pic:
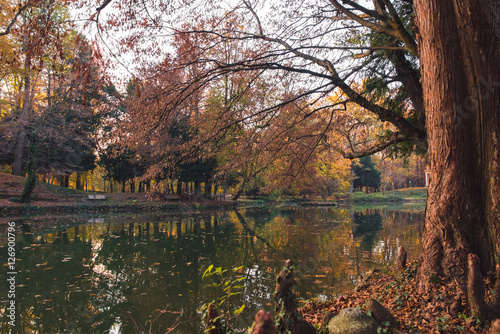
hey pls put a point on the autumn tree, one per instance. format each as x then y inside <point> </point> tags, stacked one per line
<point>403,172</point>
<point>51,122</point>
<point>328,45</point>
<point>33,35</point>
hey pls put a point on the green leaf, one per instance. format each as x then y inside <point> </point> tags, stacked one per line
<point>208,271</point>
<point>238,311</point>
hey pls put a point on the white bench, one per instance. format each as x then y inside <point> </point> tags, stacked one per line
<point>97,197</point>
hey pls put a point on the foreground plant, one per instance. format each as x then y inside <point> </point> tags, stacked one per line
<point>229,284</point>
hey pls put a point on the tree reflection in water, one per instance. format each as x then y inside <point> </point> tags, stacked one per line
<point>125,271</point>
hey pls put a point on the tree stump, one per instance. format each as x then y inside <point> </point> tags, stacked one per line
<point>286,312</point>
<point>263,324</point>
<point>212,320</point>
<point>400,260</point>
<point>283,295</point>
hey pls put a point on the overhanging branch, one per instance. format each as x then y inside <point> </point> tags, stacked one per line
<point>388,141</point>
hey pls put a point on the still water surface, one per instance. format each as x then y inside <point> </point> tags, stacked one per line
<point>140,272</point>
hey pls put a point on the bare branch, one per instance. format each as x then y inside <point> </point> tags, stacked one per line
<point>101,7</point>
<point>392,27</point>
<point>393,139</point>
<point>14,19</point>
<point>254,15</point>
<point>385,115</point>
<point>365,10</point>
<point>374,26</point>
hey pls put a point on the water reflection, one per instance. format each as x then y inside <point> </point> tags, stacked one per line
<point>95,275</point>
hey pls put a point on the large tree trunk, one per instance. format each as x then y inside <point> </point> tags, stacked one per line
<point>459,53</point>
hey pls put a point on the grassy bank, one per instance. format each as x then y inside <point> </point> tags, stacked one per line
<point>401,195</point>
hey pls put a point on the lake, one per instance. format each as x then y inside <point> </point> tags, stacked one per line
<point>143,272</point>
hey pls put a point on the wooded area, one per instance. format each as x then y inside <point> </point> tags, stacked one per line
<point>313,98</point>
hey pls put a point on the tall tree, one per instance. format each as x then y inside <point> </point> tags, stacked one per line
<point>459,51</point>
<point>39,21</point>
<point>366,174</point>
<point>51,122</point>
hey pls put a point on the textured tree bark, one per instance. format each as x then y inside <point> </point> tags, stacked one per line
<point>496,291</point>
<point>459,53</point>
<point>475,288</point>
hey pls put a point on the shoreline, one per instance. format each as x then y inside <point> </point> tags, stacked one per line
<point>78,208</point>
<point>113,205</point>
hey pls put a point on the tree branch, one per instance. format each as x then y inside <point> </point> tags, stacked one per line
<point>374,26</point>
<point>391,140</point>
<point>365,10</point>
<point>402,32</point>
<point>392,27</point>
<point>385,115</point>
<point>261,32</point>
<point>14,19</point>
<point>101,7</point>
